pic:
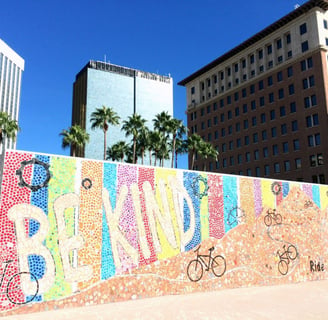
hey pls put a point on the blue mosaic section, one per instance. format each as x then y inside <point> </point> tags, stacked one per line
<point>107,260</point>
<point>191,183</point>
<point>230,201</point>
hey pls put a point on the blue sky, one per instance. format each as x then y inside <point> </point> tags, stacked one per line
<point>176,37</point>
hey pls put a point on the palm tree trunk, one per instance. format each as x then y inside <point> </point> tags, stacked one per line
<point>176,160</point>
<point>173,150</point>
<point>105,143</point>
<point>150,157</point>
<point>193,160</point>
<point>134,149</point>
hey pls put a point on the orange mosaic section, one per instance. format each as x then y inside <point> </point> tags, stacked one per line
<point>90,219</point>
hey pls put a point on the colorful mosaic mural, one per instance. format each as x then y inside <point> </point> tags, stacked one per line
<point>80,232</point>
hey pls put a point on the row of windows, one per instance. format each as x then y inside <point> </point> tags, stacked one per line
<point>307,83</point>
<point>315,160</point>
<point>249,62</point>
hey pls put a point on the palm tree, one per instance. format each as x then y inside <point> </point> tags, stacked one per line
<point>102,118</point>
<point>132,127</point>
<point>117,151</point>
<point>194,142</point>
<point>8,128</point>
<point>156,141</point>
<point>206,151</point>
<point>75,137</point>
<point>162,122</point>
<point>143,143</point>
<point>181,147</point>
<point>177,129</point>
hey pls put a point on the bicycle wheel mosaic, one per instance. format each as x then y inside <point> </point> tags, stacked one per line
<point>79,232</point>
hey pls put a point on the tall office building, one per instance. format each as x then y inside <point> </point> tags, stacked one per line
<point>263,104</point>
<point>123,89</point>
<point>11,69</point>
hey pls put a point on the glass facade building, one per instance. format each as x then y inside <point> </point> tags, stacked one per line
<point>123,89</point>
<point>11,69</point>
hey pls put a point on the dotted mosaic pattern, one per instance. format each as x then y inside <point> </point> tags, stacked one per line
<point>88,232</point>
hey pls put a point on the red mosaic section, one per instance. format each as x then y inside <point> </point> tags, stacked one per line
<point>215,206</point>
<point>11,194</point>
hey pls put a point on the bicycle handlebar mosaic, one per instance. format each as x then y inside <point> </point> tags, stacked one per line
<point>86,232</point>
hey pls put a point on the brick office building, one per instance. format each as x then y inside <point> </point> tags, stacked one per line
<point>263,104</point>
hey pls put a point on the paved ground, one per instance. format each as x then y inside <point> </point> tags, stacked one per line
<point>306,301</point>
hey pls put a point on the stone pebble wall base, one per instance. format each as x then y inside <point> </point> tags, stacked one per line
<point>76,232</point>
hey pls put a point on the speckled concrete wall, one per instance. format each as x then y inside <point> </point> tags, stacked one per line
<point>79,232</point>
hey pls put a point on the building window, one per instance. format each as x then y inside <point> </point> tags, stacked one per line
<point>255,137</point>
<point>251,58</point>
<point>287,165</point>
<point>316,160</point>
<point>249,172</point>
<point>228,99</point>
<point>236,67</point>
<point>314,140</point>
<point>312,120</point>
<point>271,97</point>
<point>192,90</point>
<point>244,108</point>
<point>291,89</point>
<point>239,159</point>
<point>229,114</point>
<point>325,24</point>
<point>288,38</point>
<point>237,111</point>
<point>260,54</point>
<point>265,152</point>
<point>238,143</point>
<point>285,147</point>
<point>257,172</point>
<point>209,122</point>
<point>230,130</point>
<point>310,101</point>
<point>236,96</point>
<point>245,124</point>
<point>280,58</point>
<point>298,163</point>
<point>279,76</point>
<point>246,140</point>
<point>281,93</point>
<point>256,155</point>
<point>269,49</point>
<point>303,28</point>
<point>294,125</point>
<point>230,145</point>
<point>276,167</point>
<point>264,135</point>
<point>289,54</point>
<point>308,82</point>
<point>253,121</point>
<point>282,111</point>
<point>263,118</point>
<point>243,93</point>
<point>305,46</point>
<point>289,72</point>
<point>272,114</point>
<point>296,144</point>
<point>221,103</point>
<point>209,137</point>
<point>266,170</point>
<point>215,120</point>
<point>306,64</point>
<point>261,85</point>
<point>279,44</point>
<point>237,126</point>
<point>253,105</point>
<point>222,117</point>
<point>224,147</point>
<point>216,135</point>
<point>292,107</point>
<point>223,132</point>
<point>273,132</point>
<point>262,102</point>
<point>247,157</point>
<point>283,129</point>
<point>275,149</point>
<point>208,109</point>
<point>252,89</point>
<point>270,81</point>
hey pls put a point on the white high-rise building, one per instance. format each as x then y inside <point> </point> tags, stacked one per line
<point>11,69</point>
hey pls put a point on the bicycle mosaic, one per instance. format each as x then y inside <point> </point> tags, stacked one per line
<point>77,232</point>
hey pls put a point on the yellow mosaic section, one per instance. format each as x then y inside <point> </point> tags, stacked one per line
<point>246,188</point>
<point>167,249</point>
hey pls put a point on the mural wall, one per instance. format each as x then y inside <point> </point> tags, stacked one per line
<point>80,232</point>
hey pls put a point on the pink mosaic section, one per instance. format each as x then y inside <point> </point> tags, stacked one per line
<point>146,175</point>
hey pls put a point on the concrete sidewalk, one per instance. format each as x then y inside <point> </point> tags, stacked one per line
<point>307,301</point>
